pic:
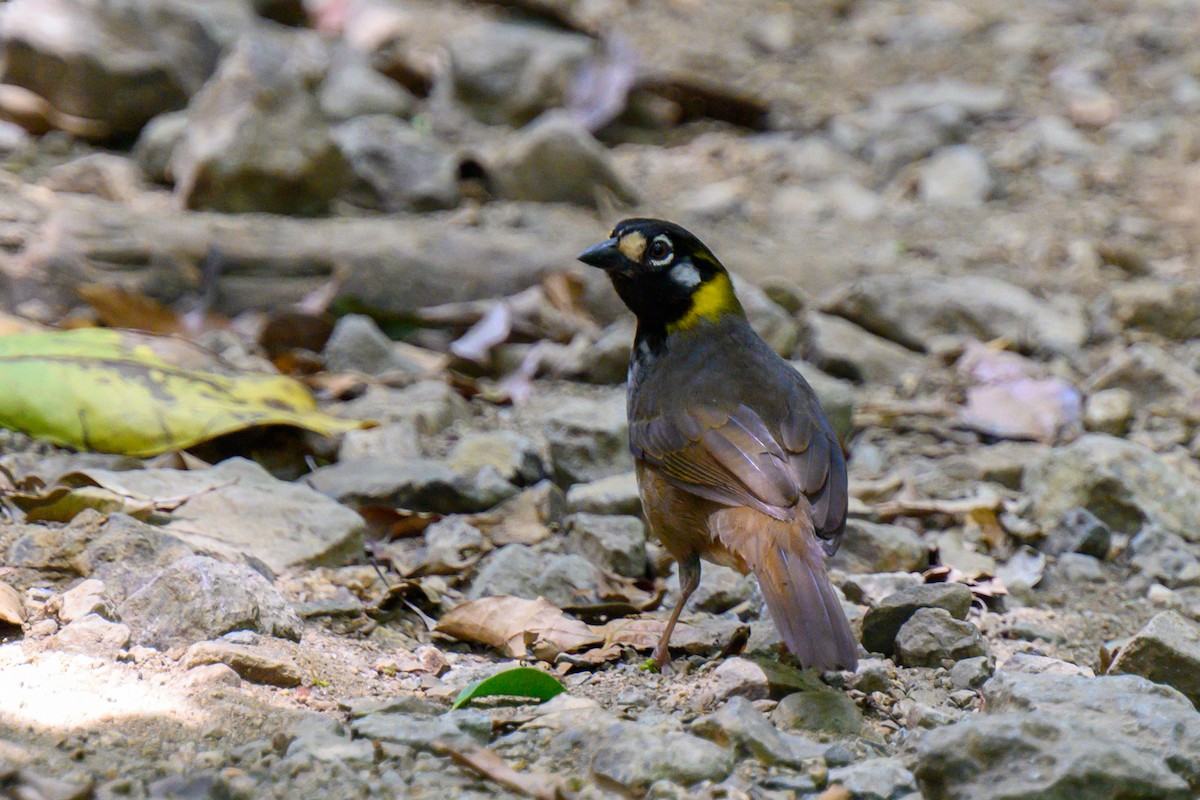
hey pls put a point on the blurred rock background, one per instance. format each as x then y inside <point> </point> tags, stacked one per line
<point>973,226</point>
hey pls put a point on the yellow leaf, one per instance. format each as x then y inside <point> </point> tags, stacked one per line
<point>101,389</point>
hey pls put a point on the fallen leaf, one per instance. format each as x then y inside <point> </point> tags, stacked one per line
<point>518,682</point>
<point>118,307</point>
<point>836,792</point>
<point>643,633</point>
<point>984,498</point>
<point>11,612</point>
<point>10,323</point>
<point>75,491</point>
<point>103,390</point>
<point>1026,566</point>
<point>491,766</point>
<point>513,625</point>
<point>492,329</point>
<point>1012,399</point>
<point>522,519</point>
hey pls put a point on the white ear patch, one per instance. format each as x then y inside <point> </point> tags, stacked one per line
<point>686,275</point>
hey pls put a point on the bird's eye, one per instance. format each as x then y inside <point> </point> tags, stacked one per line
<point>659,251</point>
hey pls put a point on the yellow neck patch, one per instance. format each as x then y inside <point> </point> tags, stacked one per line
<point>713,299</point>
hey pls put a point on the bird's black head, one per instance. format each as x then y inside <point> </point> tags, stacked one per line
<point>666,276</point>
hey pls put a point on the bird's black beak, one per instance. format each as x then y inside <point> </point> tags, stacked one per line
<point>606,255</point>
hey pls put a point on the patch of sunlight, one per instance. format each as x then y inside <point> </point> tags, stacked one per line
<point>67,690</point>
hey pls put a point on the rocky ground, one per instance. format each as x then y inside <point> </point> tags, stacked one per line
<point>972,225</point>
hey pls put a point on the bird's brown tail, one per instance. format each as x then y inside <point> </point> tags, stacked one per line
<point>805,608</point>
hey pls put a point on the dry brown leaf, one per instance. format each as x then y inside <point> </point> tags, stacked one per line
<point>11,612</point>
<point>984,498</point>
<point>520,519</point>
<point>117,307</point>
<point>643,633</point>
<point>513,625</point>
<point>836,792</point>
<point>487,763</point>
<point>10,323</point>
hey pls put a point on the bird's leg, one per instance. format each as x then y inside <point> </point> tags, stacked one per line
<point>689,579</point>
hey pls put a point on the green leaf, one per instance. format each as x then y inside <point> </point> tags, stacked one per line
<point>518,682</point>
<point>114,392</point>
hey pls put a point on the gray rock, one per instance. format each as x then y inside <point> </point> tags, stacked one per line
<point>104,175</point>
<point>1078,531</point>
<point>589,440</point>
<point>86,597</point>
<point>459,728</point>
<point>931,636</point>
<point>616,544</point>
<point>156,142</point>
<point>451,545</point>
<point>418,483</point>
<point>1152,376</point>
<point>431,406</point>
<point>872,547</point>
<point>211,676</point>
<point>607,360</point>
<point>883,621</point>
<point>1170,309</point>
<point>352,88</point>
<point>522,571</point>
<point>841,348</point>
<point>358,345</point>
<point>106,69</point>
<point>395,167</point>
<point>987,759</point>
<point>956,176</point>
<point>201,598</point>
<point>1166,651</point>
<point>1033,664</point>
<point>508,74</point>
<point>721,589</point>
<point>971,673</point>
<point>740,724</point>
<point>513,456</point>
<point>91,635</point>
<point>873,675</point>
<point>854,201</point>
<point>117,549</point>
<point>735,677</point>
<point>616,494</point>
<point>1080,569</point>
<point>914,310</point>
<point>238,510</point>
<point>875,779</point>
<point>1123,483</point>
<point>554,159</point>
<point>819,710</point>
<point>1158,723</point>
<point>636,755</point>
<point>13,138</point>
<point>392,440</point>
<point>870,590</point>
<point>1163,557</point>
<point>1109,411</point>
<point>972,99</point>
<point>252,662</point>
<point>256,139</point>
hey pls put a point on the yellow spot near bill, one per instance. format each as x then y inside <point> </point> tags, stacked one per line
<point>632,245</point>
